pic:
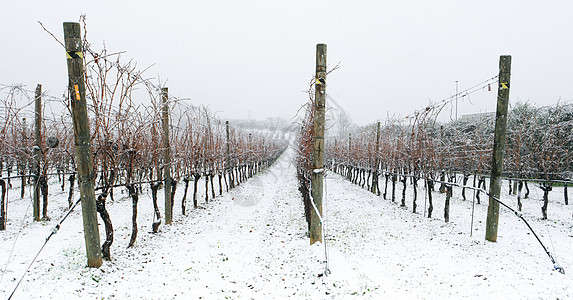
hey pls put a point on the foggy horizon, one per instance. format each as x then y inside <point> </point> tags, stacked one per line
<point>254,59</point>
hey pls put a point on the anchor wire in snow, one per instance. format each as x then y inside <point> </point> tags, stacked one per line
<point>54,231</point>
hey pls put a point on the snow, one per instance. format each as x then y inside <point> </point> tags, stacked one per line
<point>251,243</point>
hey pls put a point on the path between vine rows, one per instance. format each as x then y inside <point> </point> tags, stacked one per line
<point>252,243</point>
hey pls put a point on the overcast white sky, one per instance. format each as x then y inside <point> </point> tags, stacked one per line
<point>254,58</point>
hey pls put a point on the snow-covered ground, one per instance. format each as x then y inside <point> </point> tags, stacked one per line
<point>252,243</point>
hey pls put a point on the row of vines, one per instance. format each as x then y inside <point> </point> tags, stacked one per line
<point>538,148</point>
<point>447,154</point>
<point>125,112</point>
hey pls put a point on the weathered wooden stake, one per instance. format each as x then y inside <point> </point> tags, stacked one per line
<point>166,157</point>
<point>77,94</point>
<point>3,205</point>
<point>318,147</point>
<point>22,161</point>
<point>156,159</point>
<point>498,145</point>
<point>229,171</point>
<point>375,188</point>
<point>349,164</point>
<point>37,151</point>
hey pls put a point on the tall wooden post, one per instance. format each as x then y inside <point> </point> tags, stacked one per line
<point>348,158</point>
<point>166,157</point>
<point>156,159</point>
<point>22,160</point>
<point>318,147</point>
<point>498,145</point>
<point>77,94</point>
<point>37,151</point>
<point>250,161</point>
<point>228,169</point>
<point>376,160</point>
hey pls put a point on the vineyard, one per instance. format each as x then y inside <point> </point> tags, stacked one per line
<point>128,150</point>
<point>538,153</point>
<point>527,148</point>
<point>142,140</point>
<point>459,152</point>
<point>413,185</point>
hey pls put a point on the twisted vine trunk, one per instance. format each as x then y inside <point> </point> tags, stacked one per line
<point>100,206</point>
<point>565,195</point>
<point>447,204</point>
<point>22,172</point>
<point>72,180</point>
<point>196,176</point>
<point>173,190</point>
<point>415,184</point>
<point>231,176</point>
<point>3,203</point>
<point>375,189</point>
<point>442,184</point>
<point>44,189</point>
<point>219,174</point>
<point>385,185</point>
<point>212,187</point>
<point>404,179</point>
<point>62,179</point>
<point>394,179</point>
<point>155,225</point>
<point>519,188</point>
<point>226,183</point>
<point>303,187</point>
<point>546,189</point>
<point>206,188</point>
<point>186,181</point>
<point>481,181</point>
<point>134,198</point>
<point>430,185</point>
<point>465,181</point>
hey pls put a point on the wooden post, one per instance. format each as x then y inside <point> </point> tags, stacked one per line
<point>376,161</point>
<point>250,161</point>
<point>166,157</point>
<point>318,147</point>
<point>349,166</point>
<point>86,176</point>
<point>228,169</point>
<point>37,151</point>
<point>498,145</point>
<point>158,173</point>
<point>3,205</point>
<point>22,161</point>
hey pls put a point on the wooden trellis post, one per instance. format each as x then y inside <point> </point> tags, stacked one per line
<point>498,145</point>
<point>166,157</point>
<point>37,150</point>
<point>22,161</point>
<point>228,169</point>
<point>317,177</point>
<point>86,175</point>
<point>376,161</point>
